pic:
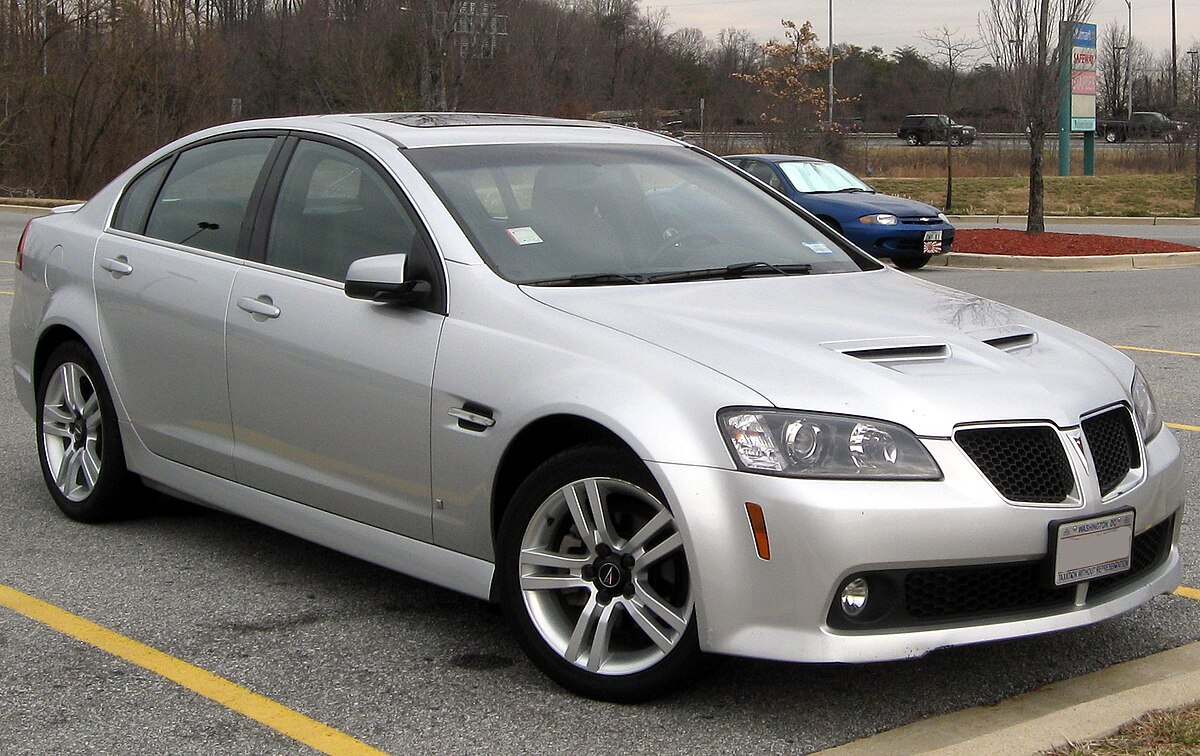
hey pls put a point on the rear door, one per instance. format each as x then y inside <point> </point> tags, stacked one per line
<point>163,274</point>
<point>331,395</point>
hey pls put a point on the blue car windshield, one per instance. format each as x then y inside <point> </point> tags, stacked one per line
<point>811,177</point>
<point>603,214</point>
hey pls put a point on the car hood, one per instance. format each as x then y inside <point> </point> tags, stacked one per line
<point>864,203</point>
<point>880,344</point>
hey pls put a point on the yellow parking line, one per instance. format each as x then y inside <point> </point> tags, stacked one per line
<point>278,717</point>
<point>1156,351</point>
<point>1186,592</point>
<point>1181,426</point>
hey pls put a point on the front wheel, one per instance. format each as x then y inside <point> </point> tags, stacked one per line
<point>1169,137</point>
<point>593,574</point>
<point>912,139</point>
<point>955,140</point>
<point>912,263</point>
<point>1111,136</point>
<point>79,444</point>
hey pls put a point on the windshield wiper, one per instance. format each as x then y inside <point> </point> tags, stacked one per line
<point>736,270</point>
<point>590,279</point>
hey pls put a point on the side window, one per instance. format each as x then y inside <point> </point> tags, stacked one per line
<point>763,172</point>
<point>333,209</point>
<point>204,200</point>
<point>134,206</point>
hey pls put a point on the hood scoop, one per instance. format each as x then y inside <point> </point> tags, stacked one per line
<point>1007,338</point>
<point>891,352</point>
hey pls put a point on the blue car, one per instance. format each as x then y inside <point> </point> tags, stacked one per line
<point>906,231</point>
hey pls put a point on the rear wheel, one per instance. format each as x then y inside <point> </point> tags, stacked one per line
<point>912,263</point>
<point>593,575</point>
<point>1111,136</point>
<point>912,139</point>
<point>79,444</point>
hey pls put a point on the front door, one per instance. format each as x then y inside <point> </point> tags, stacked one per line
<point>330,395</point>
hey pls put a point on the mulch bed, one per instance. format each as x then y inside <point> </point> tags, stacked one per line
<point>1007,241</point>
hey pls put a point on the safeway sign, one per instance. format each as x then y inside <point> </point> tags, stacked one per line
<point>1083,77</point>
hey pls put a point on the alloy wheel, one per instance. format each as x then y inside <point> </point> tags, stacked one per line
<point>72,431</point>
<point>604,578</point>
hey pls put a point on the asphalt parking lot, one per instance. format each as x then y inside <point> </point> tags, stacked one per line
<point>404,666</point>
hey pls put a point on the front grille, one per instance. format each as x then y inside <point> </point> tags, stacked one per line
<point>1149,549</point>
<point>1114,446</point>
<point>921,220</point>
<point>922,597</point>
<point>1024,463</point>
<point>959,592</point>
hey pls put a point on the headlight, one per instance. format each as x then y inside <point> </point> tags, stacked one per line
<point>1144,407</point>
<point>942,217</point>
<point>812,445</point>
<point>879,219</point>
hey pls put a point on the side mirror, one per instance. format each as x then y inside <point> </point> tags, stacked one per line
<point>381,279</point>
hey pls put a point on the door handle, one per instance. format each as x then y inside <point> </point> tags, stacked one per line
<point>261,307</point>
<point>118,267</point>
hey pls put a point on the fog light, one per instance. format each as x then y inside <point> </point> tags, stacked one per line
<point>854,597</point>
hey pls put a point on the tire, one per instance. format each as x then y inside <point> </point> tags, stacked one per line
<point>1111,136</point>
<point>912,263</point>
<point>605,609</point>
<point>1169,137</point>
<point>79,445</point>
<point>955,140</point>
<point>912,139</point>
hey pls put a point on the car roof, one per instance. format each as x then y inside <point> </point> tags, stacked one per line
<point>415,130</point>
<point>778,158</point>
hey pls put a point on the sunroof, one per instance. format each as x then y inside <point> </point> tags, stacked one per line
<point>432,120</point>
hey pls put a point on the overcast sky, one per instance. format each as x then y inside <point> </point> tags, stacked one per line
<point>896,23</point>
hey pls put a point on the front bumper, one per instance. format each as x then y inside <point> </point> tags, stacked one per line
<point>822,532</point>
<point>906,239</point>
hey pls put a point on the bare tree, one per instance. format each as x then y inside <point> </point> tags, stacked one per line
<point>1027,37</point>
<point>951,53</point>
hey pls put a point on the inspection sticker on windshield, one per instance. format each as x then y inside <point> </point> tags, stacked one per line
<point>1090,549</point>
<point>933,243</point>
<point>819,248</point>
<point>524,235</point>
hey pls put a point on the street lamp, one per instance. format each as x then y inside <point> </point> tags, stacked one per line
<point>1194,71</point>
<point>1129,60</point>
<point>831,63</point>
<point>1117,50</point>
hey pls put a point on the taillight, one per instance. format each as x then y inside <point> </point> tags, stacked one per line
<point>21,245</point>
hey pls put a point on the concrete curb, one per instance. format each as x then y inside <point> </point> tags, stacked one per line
<point>1082,708</point>
<point>33,203</point>
<point>1083,220</point>
<point>1085,263</point>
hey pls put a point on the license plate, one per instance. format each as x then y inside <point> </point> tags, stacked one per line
<point>1093,548</point>
<point>933,243</point>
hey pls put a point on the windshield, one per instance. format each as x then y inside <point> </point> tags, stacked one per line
<point>562,214</point>
<point>821,177</point>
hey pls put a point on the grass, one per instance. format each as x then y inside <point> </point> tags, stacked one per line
<point>1159,733</point>
<point>1167,195</point>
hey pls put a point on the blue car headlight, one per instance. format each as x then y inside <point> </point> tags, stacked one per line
<point>879,219</point>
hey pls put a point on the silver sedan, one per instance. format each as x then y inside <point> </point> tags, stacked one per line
<point>599,376</point>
